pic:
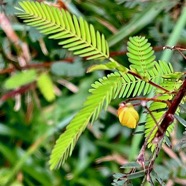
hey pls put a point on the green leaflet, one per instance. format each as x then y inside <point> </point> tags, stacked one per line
<point>180,119</point>
<point>75,35</point>
<point>175,75</point>
<point>20,79</point>
<point>46,87</point>
<point>112,65</point>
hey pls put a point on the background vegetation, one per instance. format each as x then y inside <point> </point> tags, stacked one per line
<point>31,121</point>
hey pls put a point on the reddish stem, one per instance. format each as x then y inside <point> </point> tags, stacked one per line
<point>169,115</point>
<point>13,93</point>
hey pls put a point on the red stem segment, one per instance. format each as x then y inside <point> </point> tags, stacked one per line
<point>13,93</point>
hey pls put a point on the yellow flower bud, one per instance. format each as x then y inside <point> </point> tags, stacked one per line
<point>128,116</point>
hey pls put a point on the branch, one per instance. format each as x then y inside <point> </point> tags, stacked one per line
<point>169,115</point>
<point>20,90</point>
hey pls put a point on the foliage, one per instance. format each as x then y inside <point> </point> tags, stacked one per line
<point>137,78</point>
<point>78,36</point>
<point>46,86</point>
<point>20,79</point>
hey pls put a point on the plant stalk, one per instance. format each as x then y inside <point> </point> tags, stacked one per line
<point>169,115</point>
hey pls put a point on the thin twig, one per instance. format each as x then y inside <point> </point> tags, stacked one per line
<point>13,93</point>
<point>177,48</point>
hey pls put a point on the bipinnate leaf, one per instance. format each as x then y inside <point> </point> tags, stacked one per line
<point>102,92</point>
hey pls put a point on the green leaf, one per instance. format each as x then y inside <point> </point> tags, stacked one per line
<point>175,75</point>
<point>100,67</point>
<point>157,177</point>
<point>76,35</point>
<point>92,107</point>
<point>180,119</point>
<point>142,58</point>
<point>20,78</point>
<point>141,55</point>
<point>131,165</point>
<point>158,110</point>
<point>4,174</point>
<point>135,175</point>
<point>113,65</point>
<point>102,92</point>
<point>46,87</point>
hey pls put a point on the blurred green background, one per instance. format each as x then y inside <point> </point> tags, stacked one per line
<point>30,122</point>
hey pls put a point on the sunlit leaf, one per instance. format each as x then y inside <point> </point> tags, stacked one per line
<point>20,79</point>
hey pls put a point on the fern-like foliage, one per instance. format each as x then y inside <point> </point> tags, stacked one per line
<point>102,92</point>
<point>143,61</point>
<point>76,35</point>
<point>141,55</point>
<point>158,110</point>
